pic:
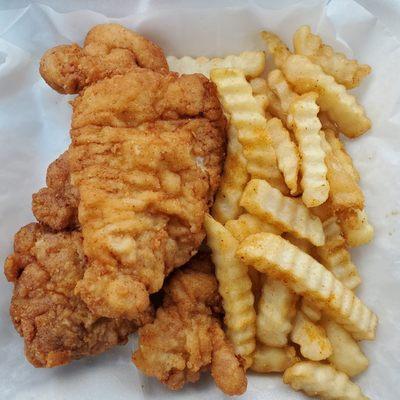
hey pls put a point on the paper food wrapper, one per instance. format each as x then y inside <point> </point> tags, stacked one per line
<point>35,120</point>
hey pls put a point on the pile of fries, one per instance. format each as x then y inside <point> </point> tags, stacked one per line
<point>287,212</point>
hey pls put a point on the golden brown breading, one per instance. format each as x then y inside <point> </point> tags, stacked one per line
<point>57,204</point>
<point>109,50</point>
<point>146,156</point>
<point>56,325</point>
<point>186,336</point>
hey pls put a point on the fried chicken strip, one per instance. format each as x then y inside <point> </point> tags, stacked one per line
<point>109,50</point>
<point>146,156</point>
<point>56,325</point>
<point>186,337</point>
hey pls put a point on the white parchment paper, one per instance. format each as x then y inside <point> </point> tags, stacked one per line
<point>34,123</point>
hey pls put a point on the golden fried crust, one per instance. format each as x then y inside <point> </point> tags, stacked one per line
<point>57,204</point>
<point>146,156</point>
<point>109,50</point>
<point>186,337</point>
<point>56,325</point>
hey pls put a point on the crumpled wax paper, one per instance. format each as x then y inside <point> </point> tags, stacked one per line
<point>34,123</point>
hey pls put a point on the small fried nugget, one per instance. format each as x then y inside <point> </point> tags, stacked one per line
<point>311,337</point>
<point>286,152</point>
<point>289,215</point>
<point>322,380</point>
<point>252,63</point>
<point>278,258</point>
<point>275,312</point>
<point>236,96</point>
<point>186,336</point>
<point>303,117</point>
<point>235,290</point>
<point>355,226</point>
<point>234,179</point>
<point>346,72</point>
<point>276,47</point>
<point>273,359</point>
<point>333,98</point>
<point>335,256</point>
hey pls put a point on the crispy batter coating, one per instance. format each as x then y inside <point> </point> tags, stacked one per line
<point>56,325</point>
<point>186,336</point>
<point>146,156</point>
<point>57,204</point>
<point>109,50</point>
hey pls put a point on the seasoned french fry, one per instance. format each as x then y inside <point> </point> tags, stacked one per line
<point>263,102</point>
<point>347,355</point>
<point>324,211</point>
<point>289,215</point>
<point>237,98</point>
<point>309,309</point>
<point>234,288</point>
<point>278,258</point>
<point>356,228</point>
<point>248,224</point>
<point>346,72</point>
<point>257,281</point>
<point>252,63</point>
<point>333,98</point>
<point>317,379</point>
<point>276,309</point>
<point>286,153</point>
<point>278,84</point>
<point>276,47</point>
<point>311,338</point>
<point>341,153</point>
<point>273,359</point>
<point>326,122</point>
<point>345,193</point>
<point>234,179</point>
<point>302,244</point>
<point>260,87</point>
<point>303,116</point>
<point>335,256</point>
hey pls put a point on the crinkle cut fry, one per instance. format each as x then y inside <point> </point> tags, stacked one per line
<point>303,116</point>
<point>333,98</point>
<point>236,96</point>
<point>234,288</point>
<point>275,256</point>
<point>252,63</point>
<point>322,380</point>
<point>288,214</point>
<point>346,72</point>
<point>226,205</point>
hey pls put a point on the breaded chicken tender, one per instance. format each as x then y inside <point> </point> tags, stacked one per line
<point>109,50</point>
<point>186,337</point>
<point>57,204</point>
<point>56,325</point>
<point>146,156</point>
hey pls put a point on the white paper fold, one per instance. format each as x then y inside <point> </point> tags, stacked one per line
<point>34,123</point>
